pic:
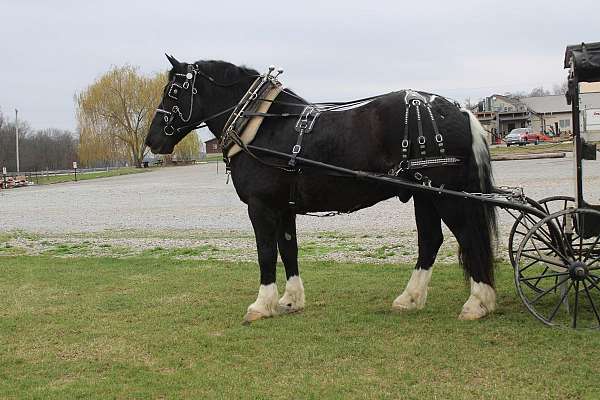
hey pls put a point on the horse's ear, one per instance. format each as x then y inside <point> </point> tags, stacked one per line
<point>173,61</point>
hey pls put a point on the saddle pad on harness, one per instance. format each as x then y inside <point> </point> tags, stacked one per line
<point>249,132</point>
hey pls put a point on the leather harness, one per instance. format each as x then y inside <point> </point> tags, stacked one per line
<point>248,114</point>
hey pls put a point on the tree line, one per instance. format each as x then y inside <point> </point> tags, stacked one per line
<point>38,149</point>
<point>113,117</point>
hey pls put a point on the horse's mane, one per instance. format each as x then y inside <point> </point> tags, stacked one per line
<point>222,71</point>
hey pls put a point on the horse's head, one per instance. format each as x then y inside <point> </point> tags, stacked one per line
<point>178,109</point>
<point>200,92</point>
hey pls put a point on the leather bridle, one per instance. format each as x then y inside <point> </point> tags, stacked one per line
<point>174,90</point>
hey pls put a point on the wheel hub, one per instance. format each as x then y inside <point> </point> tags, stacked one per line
<point>578,271</point>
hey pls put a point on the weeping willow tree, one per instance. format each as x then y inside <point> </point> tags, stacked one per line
<point>188,148</point>
<point>114,115</point>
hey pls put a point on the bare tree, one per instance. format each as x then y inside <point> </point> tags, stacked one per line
<point>38,150</point>
<point>561,89</point>
<point>538,92</point>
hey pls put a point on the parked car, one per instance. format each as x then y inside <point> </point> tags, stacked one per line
<point>523,136</point>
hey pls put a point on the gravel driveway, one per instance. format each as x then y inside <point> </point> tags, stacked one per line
<point>196,199</point>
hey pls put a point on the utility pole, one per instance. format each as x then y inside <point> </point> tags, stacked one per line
<point>17,136</point>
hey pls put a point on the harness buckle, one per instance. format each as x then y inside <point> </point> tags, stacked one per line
<point>418,176</point>
<point>404,143</point>
<point>421,140</point>
<point>169,132</point>
<point>439,138</point>
<point>296,149</point>
<point>186,85</point>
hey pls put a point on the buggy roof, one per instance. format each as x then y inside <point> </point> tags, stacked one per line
<point>586,61</point>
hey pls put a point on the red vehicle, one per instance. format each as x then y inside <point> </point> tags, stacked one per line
<point>523,136</point>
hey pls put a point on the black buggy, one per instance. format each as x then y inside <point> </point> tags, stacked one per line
<point>556,256</point>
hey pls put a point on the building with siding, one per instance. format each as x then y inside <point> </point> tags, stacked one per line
<point>549,114</point>
<point>213,146</point>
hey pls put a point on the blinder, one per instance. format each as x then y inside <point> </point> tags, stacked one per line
<point>174,92</point>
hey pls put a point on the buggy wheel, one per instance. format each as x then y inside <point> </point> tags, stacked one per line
<point>557,270</point>
<point>524,222</point>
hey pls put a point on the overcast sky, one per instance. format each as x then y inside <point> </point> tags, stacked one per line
<point>330,50</point>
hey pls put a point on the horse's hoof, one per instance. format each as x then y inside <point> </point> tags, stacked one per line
<point>403,307</point>
<point>251,317</point>
<point>287,309</point>
<point>473,313</point>
<point>405,302</point>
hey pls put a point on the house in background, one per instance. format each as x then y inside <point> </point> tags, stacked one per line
<point>549,114</point>
<point>552,114</point>
<point>213,146</point>
<point>501,114</point>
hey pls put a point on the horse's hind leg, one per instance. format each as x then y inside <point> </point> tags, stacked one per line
<point>470,223</point>
<point>264,221</point>
<point>293,298</point>
<point>430,239</point>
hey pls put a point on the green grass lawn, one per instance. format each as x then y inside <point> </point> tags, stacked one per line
<point>45,180</point>
<point>99,328</point>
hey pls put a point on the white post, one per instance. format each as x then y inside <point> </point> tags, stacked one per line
<point>17,136</point>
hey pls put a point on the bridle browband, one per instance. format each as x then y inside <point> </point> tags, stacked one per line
<point>174,90</point>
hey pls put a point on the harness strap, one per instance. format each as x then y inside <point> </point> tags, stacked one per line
<point>421,139</point>
<point>416,100</point>
<point>405,141</point>
<point>439,139</point>
<point>303,126</point>
<point>293,190</point>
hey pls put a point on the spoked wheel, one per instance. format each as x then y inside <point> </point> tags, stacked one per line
<point>524,222</point>
<point>557,270</point>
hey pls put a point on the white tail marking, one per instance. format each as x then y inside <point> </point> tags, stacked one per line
<point>479,146</point>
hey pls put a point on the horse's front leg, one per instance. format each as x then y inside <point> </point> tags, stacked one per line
<point>430,236</point>
<point>265,222</point>
<point>293,298</point>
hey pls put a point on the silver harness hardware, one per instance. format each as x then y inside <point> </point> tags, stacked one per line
<point>417,101</point>
<point>174,91</point>
<point>305,124</point>
<point>238,118</point>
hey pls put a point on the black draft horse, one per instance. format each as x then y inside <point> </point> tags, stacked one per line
<point>366,138</point>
